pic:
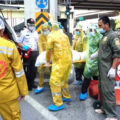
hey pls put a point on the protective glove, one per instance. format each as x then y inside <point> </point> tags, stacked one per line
<point>24,47</point>
<point>111,73</point>
<point>94,56</point>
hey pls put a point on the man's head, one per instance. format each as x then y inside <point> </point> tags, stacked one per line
<point>31,24</point>
<point>104,24</point>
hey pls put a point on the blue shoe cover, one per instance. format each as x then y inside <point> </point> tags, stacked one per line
<point>39,90</point>
<point>83,96</point>
<point>66,100</point>
<point>56,108</point>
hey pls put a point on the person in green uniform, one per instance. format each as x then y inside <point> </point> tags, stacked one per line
<point>91,66</point>
<point>108,55</point>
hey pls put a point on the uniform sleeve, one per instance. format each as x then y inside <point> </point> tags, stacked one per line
<point>37,37</point>
<point>84,43</point>
<point>115,46</point>
<point>50,43</point>
<point>20,39</point>
<point>19,72</point>
<point>74,44</point>
<point>40,45</point>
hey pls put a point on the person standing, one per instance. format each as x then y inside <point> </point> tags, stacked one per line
<point>91,66</point>
<point>13,82</point>
<point>28,42</point>
<point>108,55</point>
<point>80,46</point>
<point>58,48</point>
<point>42,47</point>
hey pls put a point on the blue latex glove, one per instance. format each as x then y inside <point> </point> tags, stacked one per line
<point>24,47</point>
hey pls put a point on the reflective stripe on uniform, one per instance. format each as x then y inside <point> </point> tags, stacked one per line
<point>20,73</point>
<point>6,50</point>
<point>56,94</point>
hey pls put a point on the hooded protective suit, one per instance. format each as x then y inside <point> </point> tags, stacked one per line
<point>42,47</point>
<point>91,66</point>
<point>59,47</point>
<point>79,44</point>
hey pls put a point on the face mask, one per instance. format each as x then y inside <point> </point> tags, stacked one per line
<point>31,28</point>
<point>92,34</point>
<point>77,32</point>
<point>101,30</point>
<point>46,32</point>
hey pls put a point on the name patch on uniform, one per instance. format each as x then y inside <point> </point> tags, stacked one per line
<point>117,42</point>
<point>104,40</point>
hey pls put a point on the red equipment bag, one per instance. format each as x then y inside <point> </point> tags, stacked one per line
<point>93,89</point>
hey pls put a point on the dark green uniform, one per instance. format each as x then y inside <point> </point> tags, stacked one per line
<point>108,50</point>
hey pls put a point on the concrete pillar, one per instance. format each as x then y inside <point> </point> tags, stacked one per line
<point>29,10</point>
<point>54,8</point>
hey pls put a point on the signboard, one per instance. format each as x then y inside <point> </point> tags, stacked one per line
<point>42,4</point>
<point>41,18</point>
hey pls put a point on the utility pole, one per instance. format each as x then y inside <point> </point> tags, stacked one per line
<point>67,13</point>
<point>53,8</point>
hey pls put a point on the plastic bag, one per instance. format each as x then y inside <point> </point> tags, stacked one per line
<point>76,55</point>
<point>41,59</point>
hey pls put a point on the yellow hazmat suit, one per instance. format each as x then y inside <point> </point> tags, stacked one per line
<point>79,45</point>
<point>42,47</point>
<point>12,80</point>
<point>117,21</point>
<point>58,47</point>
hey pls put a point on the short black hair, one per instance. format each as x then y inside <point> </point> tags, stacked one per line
<point>30,21</point>
<point>105,20</point>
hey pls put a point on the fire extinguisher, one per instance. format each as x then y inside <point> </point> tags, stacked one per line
<point>27,54</point>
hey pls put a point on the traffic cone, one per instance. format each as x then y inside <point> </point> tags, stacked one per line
<point>117,85</point>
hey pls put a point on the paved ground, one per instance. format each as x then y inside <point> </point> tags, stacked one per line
<point>34,107</point>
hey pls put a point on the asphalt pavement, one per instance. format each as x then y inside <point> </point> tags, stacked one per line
<point>34,107</point>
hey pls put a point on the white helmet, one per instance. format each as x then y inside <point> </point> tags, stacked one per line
<point>2,26</point>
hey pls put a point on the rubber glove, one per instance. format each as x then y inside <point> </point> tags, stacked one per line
<point>111,73</point>
<point>94,56</point>
<point>24,47</point>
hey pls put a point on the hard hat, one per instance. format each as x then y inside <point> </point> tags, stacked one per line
<point>2,26</point>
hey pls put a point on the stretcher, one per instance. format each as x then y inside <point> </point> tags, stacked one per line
<point>44,65</point>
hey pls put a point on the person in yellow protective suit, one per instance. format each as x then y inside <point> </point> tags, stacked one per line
<point>13,82</point>
<point>42,47</point>
<point>80,46</point>
<point>58,48</point>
